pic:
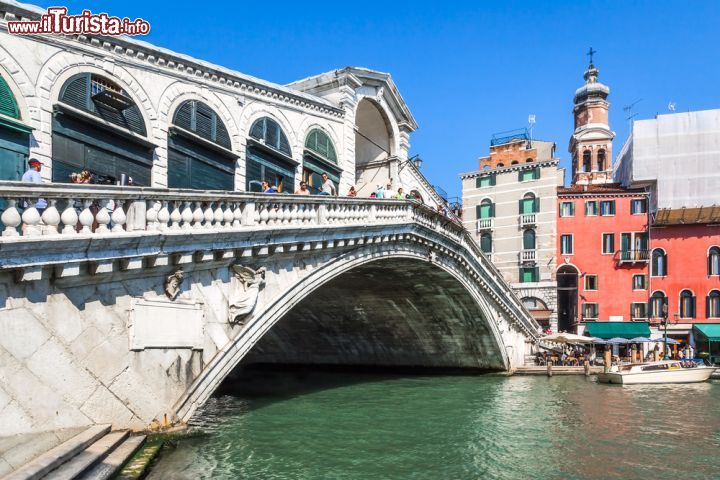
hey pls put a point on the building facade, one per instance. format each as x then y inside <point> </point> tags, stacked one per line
<point>675,157</point>
<point>602,227</point>
<point>121,108</point>
<point>509,205</point>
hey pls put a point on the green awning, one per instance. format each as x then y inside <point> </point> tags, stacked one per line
<point>607,330</point>
<point>711,331</point>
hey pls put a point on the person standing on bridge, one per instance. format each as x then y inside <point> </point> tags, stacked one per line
<point>327,187</point>
<point>303,190</point>
<point>32,175</point>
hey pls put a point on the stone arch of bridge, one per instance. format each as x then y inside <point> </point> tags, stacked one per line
<point>476,333</point>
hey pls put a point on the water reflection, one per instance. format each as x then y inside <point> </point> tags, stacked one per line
<point>455,427</point>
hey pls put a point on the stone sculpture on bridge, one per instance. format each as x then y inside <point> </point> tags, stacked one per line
<point>172,284</point>
<point>244,290</point>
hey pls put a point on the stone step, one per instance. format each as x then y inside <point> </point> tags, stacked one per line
<point>50,460</point>
<point>86,459</point>
<point>115,460</point>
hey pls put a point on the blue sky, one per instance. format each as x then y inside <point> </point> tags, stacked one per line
<point>466,69</point>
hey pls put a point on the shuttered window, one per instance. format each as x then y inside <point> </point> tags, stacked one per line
<point>193,163</point>
<point>485,181</point>
<point>105,99</point>
<point>319,143</point>
<point>268,131</point>
<point>199,118</point>
<point>8,105</point>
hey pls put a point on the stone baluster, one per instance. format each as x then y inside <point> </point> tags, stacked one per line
<point>163,216</point>
<point>275,215</point>
<point>86,217</point>
<point>51,218</point>
<point>11,219</point>
<point>187,216</point>
<point>218,215</point>
<point>176,216</point>
<point>264,214</point>
<point>237,215</point>
<point>322,214</point>
<point>304,213</point>
<point>69,218</point>
<point>228,214</point>
<point>209,216</point>
<point>102,217</point>
<point>198,215</point>
<point>287,215</point>
<point>295,215</point>
<point>151,215</point>
<point>118,216</point>
<point>31,221</point>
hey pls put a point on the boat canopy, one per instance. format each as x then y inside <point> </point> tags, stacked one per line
<point>618,329</point>
<point>710,331</point>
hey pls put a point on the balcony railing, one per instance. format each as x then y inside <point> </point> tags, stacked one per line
<point>527,256</point>
<point>527,219</point>
<point>484,224</point>
<point>632,256</point>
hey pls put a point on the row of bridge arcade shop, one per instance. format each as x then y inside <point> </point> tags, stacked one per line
<point>98,128</point>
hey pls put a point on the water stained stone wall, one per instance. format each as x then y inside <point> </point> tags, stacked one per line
<point>395,312</point>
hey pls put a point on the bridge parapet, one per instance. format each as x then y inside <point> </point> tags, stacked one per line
<point>105,228</point>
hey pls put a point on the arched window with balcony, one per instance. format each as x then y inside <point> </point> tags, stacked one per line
<point>687,304</point>
<point>486,209</point>
<point>712,304</point>
<point>319,157</point>
<point>199,149</point>
<point>486,242</point>
<point>98,127</point>
<point>529,239</point>
<point>601,160</point>
<point>529,204</point>
<point>587,161</point>
<point>657,301</point>
<point>659,263</point>
<point>269,158</point>
<point>714,261</point>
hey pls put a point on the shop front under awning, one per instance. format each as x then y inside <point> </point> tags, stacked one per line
<point>628,330</point>
<point>708,331</point>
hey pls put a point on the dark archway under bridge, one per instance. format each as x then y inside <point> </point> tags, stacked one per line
<point>397,312</point>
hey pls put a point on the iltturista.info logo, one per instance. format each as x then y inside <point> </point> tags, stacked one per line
<point>57,22</point>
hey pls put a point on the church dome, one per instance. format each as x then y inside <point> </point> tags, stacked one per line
<point>592,87</point>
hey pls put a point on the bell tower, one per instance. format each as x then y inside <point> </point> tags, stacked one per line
<point>591,142</point>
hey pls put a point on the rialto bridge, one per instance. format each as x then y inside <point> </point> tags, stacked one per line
<point>134,316</point>
<point>130,305</point>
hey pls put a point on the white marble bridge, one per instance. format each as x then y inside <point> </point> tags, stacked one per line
<point>133,315</point>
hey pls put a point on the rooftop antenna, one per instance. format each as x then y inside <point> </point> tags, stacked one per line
<point>629,110</point>
<point>531,125</point>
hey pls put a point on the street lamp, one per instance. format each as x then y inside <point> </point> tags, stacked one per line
<point>416,160</point>
<point>665,321</point>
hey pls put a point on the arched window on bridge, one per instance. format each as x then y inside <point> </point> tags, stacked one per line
<point>98,127</point>
<point>269,157</point>
<point>14,136</point>
<point>319,157</point>
<point>199,149</point>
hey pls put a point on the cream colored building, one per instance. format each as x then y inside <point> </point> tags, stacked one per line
<point>509,204</point>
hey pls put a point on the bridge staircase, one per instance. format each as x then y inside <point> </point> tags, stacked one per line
<point>96,453</point>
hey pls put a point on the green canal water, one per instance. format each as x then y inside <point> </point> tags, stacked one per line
<point>362,426</point>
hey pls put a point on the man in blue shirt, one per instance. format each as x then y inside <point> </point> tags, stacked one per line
<point>32,175</point>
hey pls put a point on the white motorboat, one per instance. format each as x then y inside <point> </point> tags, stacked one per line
<point>664,371</point>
